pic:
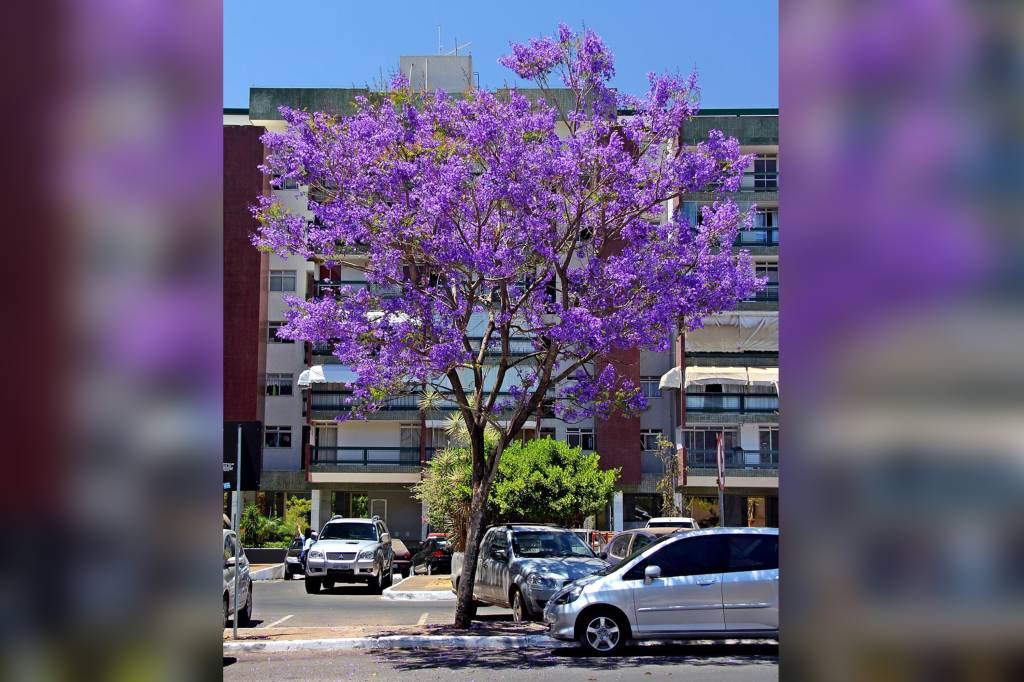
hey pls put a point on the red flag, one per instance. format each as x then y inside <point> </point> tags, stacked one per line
<point>721,462</point>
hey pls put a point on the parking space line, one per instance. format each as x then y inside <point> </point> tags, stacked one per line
<point>279,621</point>
<point>423,619</point>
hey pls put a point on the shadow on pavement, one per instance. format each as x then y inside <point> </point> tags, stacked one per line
<point>711,654</point>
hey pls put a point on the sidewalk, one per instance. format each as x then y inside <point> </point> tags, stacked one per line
<point>499,635</point>
<point>422,588</point>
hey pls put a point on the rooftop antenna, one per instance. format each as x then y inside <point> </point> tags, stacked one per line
<point>458,47</point>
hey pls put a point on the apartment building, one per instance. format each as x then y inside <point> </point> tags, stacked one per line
<point>368,466</point>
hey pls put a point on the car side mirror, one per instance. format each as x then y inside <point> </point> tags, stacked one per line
<point>385,537</point>
<point>498,554</point>
<point>651,573</point>
<point>603,555</point>
<point>229,562</point>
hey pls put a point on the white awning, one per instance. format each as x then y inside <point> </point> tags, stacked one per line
<point>326,374</point>
<point>763,376</point>
<point>737,376</point>
<point>715,375</point>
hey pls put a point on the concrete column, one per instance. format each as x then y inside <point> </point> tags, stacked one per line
<point>423,520</point>
<point>316,507</point>
<point>617,511</point>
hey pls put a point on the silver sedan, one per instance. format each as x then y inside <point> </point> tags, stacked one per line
<point>707,584</point>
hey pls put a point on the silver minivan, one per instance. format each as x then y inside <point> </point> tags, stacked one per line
<point>706,584</point>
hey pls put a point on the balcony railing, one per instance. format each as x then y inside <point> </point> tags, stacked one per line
<point>731,402</point>
<point>734,460</point>
<point>323,454</point>
<point>769,293</point>
<point>325,287</point>
<point>758,236</point>
<point>326,401</point>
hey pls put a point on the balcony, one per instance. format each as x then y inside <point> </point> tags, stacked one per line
<point>758,237</point>
<point>367,457</point>
<point>732,402</point>
<point>770,293</point>
<point>750,462</point>
<point>324,287</point>
<point>325,404</point>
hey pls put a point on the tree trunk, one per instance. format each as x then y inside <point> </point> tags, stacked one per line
<point>464,610</point>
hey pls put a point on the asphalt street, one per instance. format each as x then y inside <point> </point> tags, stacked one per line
<point>285,603</point>
<point>690,662</point>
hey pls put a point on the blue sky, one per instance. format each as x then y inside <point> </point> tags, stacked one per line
<point>348,43</point>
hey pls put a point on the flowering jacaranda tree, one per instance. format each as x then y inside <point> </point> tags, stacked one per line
<point>505,217</point>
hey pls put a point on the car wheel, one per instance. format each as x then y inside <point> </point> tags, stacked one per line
<point>602,633</point>
<point>374,584</point>
<point>519,611</point>
<point>312,585</point>
<point>227,611</point>
<point>245,614</point>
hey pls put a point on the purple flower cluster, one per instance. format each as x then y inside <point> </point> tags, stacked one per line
<point>495,225</point>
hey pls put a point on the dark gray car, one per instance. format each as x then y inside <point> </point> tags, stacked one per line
<point>520,566</point>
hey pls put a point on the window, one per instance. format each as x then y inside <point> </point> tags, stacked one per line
<point>641,541</point>
<point>689,556</point>
<point>618,547</point>
<point>766,171</point>
<point>546,544</point>
<point>282,280</point>
<point>698,439</point>
<point>649,387</point>
<point>753,553</point>
<point>277,437</point>
<point>769,438</point>
<point>272,336</point>
<point>580,438</point>
<point>649,439</point>
<point>279,384</point>
<point>767,217</point>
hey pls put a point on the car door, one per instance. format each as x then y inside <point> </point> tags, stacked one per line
<point>640,540</point>
<point>502,579</point>
<point>484,568</point>
<point>750,582</point>
<point>386,549</point>
<point>229,571</point>
<point>688,595</point>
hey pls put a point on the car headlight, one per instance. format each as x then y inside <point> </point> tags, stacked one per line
<point>569,595</point>
<point>544,582</point>
<point>315,555</point>
<point>367,554</point>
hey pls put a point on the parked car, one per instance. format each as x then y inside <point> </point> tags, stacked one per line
<point>434,556</point>
<point>236,570</point>
<point>628,541</point>
<point>350,551</point>
<point>292,564</point>
<point>521,565</point>
<point>672,522</point>
<point>402,557</point>
<point>597,540</point>
<point>704,584</point>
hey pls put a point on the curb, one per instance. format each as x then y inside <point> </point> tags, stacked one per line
<point>420,595</point>
<point>403,642</point>
<point>269,573</point>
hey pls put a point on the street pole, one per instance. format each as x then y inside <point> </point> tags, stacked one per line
<point>238,529</point>
<point>721,508</point>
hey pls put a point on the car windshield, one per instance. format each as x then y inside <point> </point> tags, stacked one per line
<point>349,531</point>
<point>548,543</point>
<point>296,544</point>
<point>635,553</point>
<point>671,524</point>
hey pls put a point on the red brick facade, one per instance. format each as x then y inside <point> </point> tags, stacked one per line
<point>246,280</point>
<point>617,439</point>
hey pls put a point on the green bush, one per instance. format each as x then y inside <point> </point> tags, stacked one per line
<point>266,531</point>
<point>541,481</point>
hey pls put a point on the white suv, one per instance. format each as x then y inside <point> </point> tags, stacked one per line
<point>683,522</point>
<point>350,551</point>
